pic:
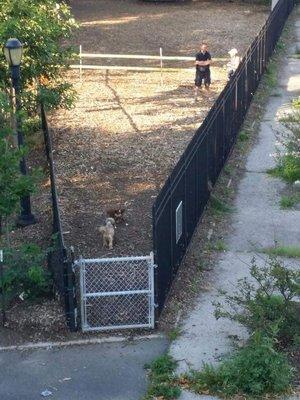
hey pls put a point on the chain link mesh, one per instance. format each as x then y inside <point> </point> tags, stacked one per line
<point>116,293</point>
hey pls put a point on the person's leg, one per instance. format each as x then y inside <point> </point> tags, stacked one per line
<point>198,81</point>
<point>207,80</point>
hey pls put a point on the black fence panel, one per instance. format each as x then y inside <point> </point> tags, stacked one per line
<point>59,262</point>
<point>181,202</point>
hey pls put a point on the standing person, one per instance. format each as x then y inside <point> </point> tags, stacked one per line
<point>202,63</point>
<point>233,63</point>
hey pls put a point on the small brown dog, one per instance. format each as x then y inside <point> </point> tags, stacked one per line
<point>108,233</point>
<point>116,213</point>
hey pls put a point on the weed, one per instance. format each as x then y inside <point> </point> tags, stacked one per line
<point>228,169</point>
<point>243,136</point>
<point>296,102</point>
<point>218,206</point>
<point>162,378</point>
<point>271,74</point>
<point>219,245</point>
<point>174,334</point>
<point>287,202</point>
<point>288,168</point>
<point>288,160</point>
<point>284,251</point>
<point>227,191</point>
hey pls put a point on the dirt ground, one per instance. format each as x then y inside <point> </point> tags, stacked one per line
<point>127,131</point>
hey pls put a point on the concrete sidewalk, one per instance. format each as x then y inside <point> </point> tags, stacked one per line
<point>258,222</point>
<point>107,371</point>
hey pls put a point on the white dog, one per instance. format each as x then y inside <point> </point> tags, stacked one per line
<point>108,233</point>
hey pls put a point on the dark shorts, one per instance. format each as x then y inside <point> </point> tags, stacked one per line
<point>202,76</point>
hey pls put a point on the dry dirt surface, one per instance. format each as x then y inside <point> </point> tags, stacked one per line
<point>127,131</point>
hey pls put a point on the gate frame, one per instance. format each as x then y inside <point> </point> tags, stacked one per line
<point>81,263</point>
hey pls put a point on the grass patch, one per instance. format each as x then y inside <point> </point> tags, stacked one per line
<point>284,251</point>
<point>271,75</point>
<point>287,202</point>
<point>296,102</point>
<point>243,136</point>
<point>219,207</point>
<point>287,169</point>
<point>219,245</point>
<point>163,381</point>
<point>174,334</point>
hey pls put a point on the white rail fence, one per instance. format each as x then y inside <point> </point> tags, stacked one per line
<point>160,68</point>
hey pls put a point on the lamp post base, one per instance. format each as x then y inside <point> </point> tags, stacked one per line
<point>25,220</point>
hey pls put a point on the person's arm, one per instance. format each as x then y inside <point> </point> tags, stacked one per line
<point>198,62</point>
<point>208,61</point>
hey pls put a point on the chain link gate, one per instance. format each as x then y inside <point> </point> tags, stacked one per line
<point>116,293</point>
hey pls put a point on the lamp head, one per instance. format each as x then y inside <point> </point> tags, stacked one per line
<point>13,51</point>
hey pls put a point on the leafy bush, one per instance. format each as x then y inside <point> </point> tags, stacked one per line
<point>13,184</point>
<point>254,370</point>
<point>43,27</point>
<point>24,273</point>
<point>266,302</point>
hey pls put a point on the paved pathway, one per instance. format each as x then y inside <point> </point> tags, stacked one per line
<point>258,222</point>
<point>107,371</point>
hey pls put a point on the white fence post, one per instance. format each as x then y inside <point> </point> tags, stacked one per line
<point>161,66</point>
<point>80,62</point>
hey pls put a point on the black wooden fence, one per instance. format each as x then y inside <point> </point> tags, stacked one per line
<point>181,202</point>
<point>59,261</point>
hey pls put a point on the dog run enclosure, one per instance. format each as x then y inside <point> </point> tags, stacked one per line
<point>178,206</point>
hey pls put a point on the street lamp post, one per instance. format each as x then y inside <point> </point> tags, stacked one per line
<point>13,53</point>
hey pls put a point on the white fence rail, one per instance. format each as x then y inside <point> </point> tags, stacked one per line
<point>161,58</point>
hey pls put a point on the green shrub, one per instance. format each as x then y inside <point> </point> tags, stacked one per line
<point>266,302</point>
<point>255,370</point>
<point>24,273</point>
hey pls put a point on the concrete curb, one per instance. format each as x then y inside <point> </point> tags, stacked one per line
<point>81,342</point>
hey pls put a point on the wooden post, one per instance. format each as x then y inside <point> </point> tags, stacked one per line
<point>80,62</point>
<point>161,66</point>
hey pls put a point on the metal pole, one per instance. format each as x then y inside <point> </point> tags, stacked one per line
<point>2,289</point>
<point>26,217</point>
